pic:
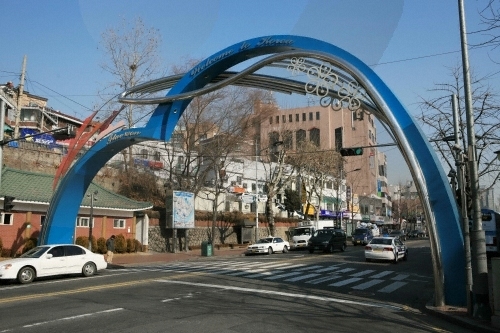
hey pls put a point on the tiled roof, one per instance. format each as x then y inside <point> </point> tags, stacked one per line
<point>34,187</point>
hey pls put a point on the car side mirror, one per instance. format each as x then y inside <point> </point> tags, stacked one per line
<point>48,255</point>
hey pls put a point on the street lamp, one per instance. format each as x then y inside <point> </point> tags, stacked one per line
<point>91,219</point>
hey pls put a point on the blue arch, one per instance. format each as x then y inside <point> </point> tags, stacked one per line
<point>440,206</point>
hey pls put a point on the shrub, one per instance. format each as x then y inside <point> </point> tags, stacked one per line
<point>82,241</point>
<point>138,245</point>
<point>101,245</point>
<point>29,244</point>
<point>130,245</point>
<point>120,244</point>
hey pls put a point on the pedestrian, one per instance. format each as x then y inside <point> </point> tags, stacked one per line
<point>110,245</point>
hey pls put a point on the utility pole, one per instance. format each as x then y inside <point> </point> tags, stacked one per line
<point>480,289</point>
<point>459,162</point>
<point>19,95</point>
<point>2,122</point>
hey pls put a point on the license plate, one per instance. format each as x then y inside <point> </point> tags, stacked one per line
<point>378,250</point>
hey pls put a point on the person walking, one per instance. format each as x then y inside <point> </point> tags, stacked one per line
<point>110,245</point>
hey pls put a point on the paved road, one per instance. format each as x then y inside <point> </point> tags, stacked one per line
<point>295,292</point>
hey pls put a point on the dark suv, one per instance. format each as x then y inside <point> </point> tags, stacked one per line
<point>362,236</point>
<point>327,240</point>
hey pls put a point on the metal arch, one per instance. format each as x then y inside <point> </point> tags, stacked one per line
<point>439,204</point>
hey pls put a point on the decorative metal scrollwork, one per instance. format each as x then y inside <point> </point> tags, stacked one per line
<point>322,80</point>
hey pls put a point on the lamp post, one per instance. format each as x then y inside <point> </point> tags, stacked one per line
<point>91,219</point>
<point>480,287</point>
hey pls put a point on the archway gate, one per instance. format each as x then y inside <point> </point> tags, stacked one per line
<point>339,79</point>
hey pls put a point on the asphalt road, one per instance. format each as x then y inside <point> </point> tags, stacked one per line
<point>294,292</point>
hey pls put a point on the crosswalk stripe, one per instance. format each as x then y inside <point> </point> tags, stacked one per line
<point>345,282</point>
<point>400,277</point>
<point>302,277</point>
<point>309,268</point>
<point>367,284</point>
<point>279,276</point>
<point>381,274</point>
<point>365,272</point>
<point>346,270</point>
<point>263,274</point>
<point>324,279</point>
<point>327,269</point>
<point>390,288</point>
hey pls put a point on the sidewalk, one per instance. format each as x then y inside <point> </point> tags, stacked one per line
<point>456,315</point>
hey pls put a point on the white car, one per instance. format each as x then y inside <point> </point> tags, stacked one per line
<point>268,245</point>
<point>386,248</point>
<point>49,260</point>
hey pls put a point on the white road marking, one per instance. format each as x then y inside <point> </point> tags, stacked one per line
<point>367,284</point>
<point>73,317</point>
<point>393,286</point>
<point>345,282</point>
<point>285,294</point>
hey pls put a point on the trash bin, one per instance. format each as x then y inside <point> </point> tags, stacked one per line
<point>206,249</point>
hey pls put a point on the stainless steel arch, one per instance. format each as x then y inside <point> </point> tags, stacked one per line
<point>438,200</point>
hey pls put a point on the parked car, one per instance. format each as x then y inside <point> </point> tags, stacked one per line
<point>398,233</point>
<point>386,248</point>
<point>50,260</point>
<point>327,240</point>
<point>361,236</point>
<point>268,245</point>
<point>417,234</point>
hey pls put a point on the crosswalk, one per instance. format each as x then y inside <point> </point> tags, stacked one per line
<point>326,275</point>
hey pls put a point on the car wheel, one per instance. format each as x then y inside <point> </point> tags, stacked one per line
<point>89,269</point>
<point>26,275</point>
<point>285,249</point>
<point>344,247</point>
<point>311,250</point>
<point>270,250</point>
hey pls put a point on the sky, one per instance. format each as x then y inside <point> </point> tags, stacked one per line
<point>410,44</point>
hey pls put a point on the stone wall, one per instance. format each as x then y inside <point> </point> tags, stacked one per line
<point>160,238</point>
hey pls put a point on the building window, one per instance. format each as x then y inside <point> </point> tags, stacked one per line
<point>83,222</point>
<point>7,219</point>
<point>157,156</point>
<point>290,118</point>
<point>317,115</point>
<point>245,185</point>
<point>297,117</point>
<point>144,154</point>
<point>311,116</point>
<point>119,224</point>
<point>284,118</point>
<point>277,119</point>
<point>304,117</point>
<point>314,136</point>
<point>338,138</point>
<point>300,137</point>
<point>42,220</point>
<point>238,179</point>
<point>271,120</point>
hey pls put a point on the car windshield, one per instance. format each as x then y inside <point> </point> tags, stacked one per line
<point>36,252</point>
<point>383,241</point>
<point>265,240</point>
<point>360,231</point>
<point>324,232</point>
<point>300,232</point>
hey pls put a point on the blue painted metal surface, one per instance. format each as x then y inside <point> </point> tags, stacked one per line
<point>432,181</point>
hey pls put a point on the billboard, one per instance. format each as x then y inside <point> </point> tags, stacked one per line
<point>180,210</point>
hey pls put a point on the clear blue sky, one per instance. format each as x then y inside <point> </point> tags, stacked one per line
<point>410,44</point>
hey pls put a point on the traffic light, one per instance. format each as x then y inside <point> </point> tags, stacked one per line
<point>355,151</point>
<point>7,203</point>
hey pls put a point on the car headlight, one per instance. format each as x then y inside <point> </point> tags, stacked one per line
<point>6,266</point>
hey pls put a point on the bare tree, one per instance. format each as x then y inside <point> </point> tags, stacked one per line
<point>316,168</point>
<point>132,52</point>
<point>437,116</point>
<point>490,17</point>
